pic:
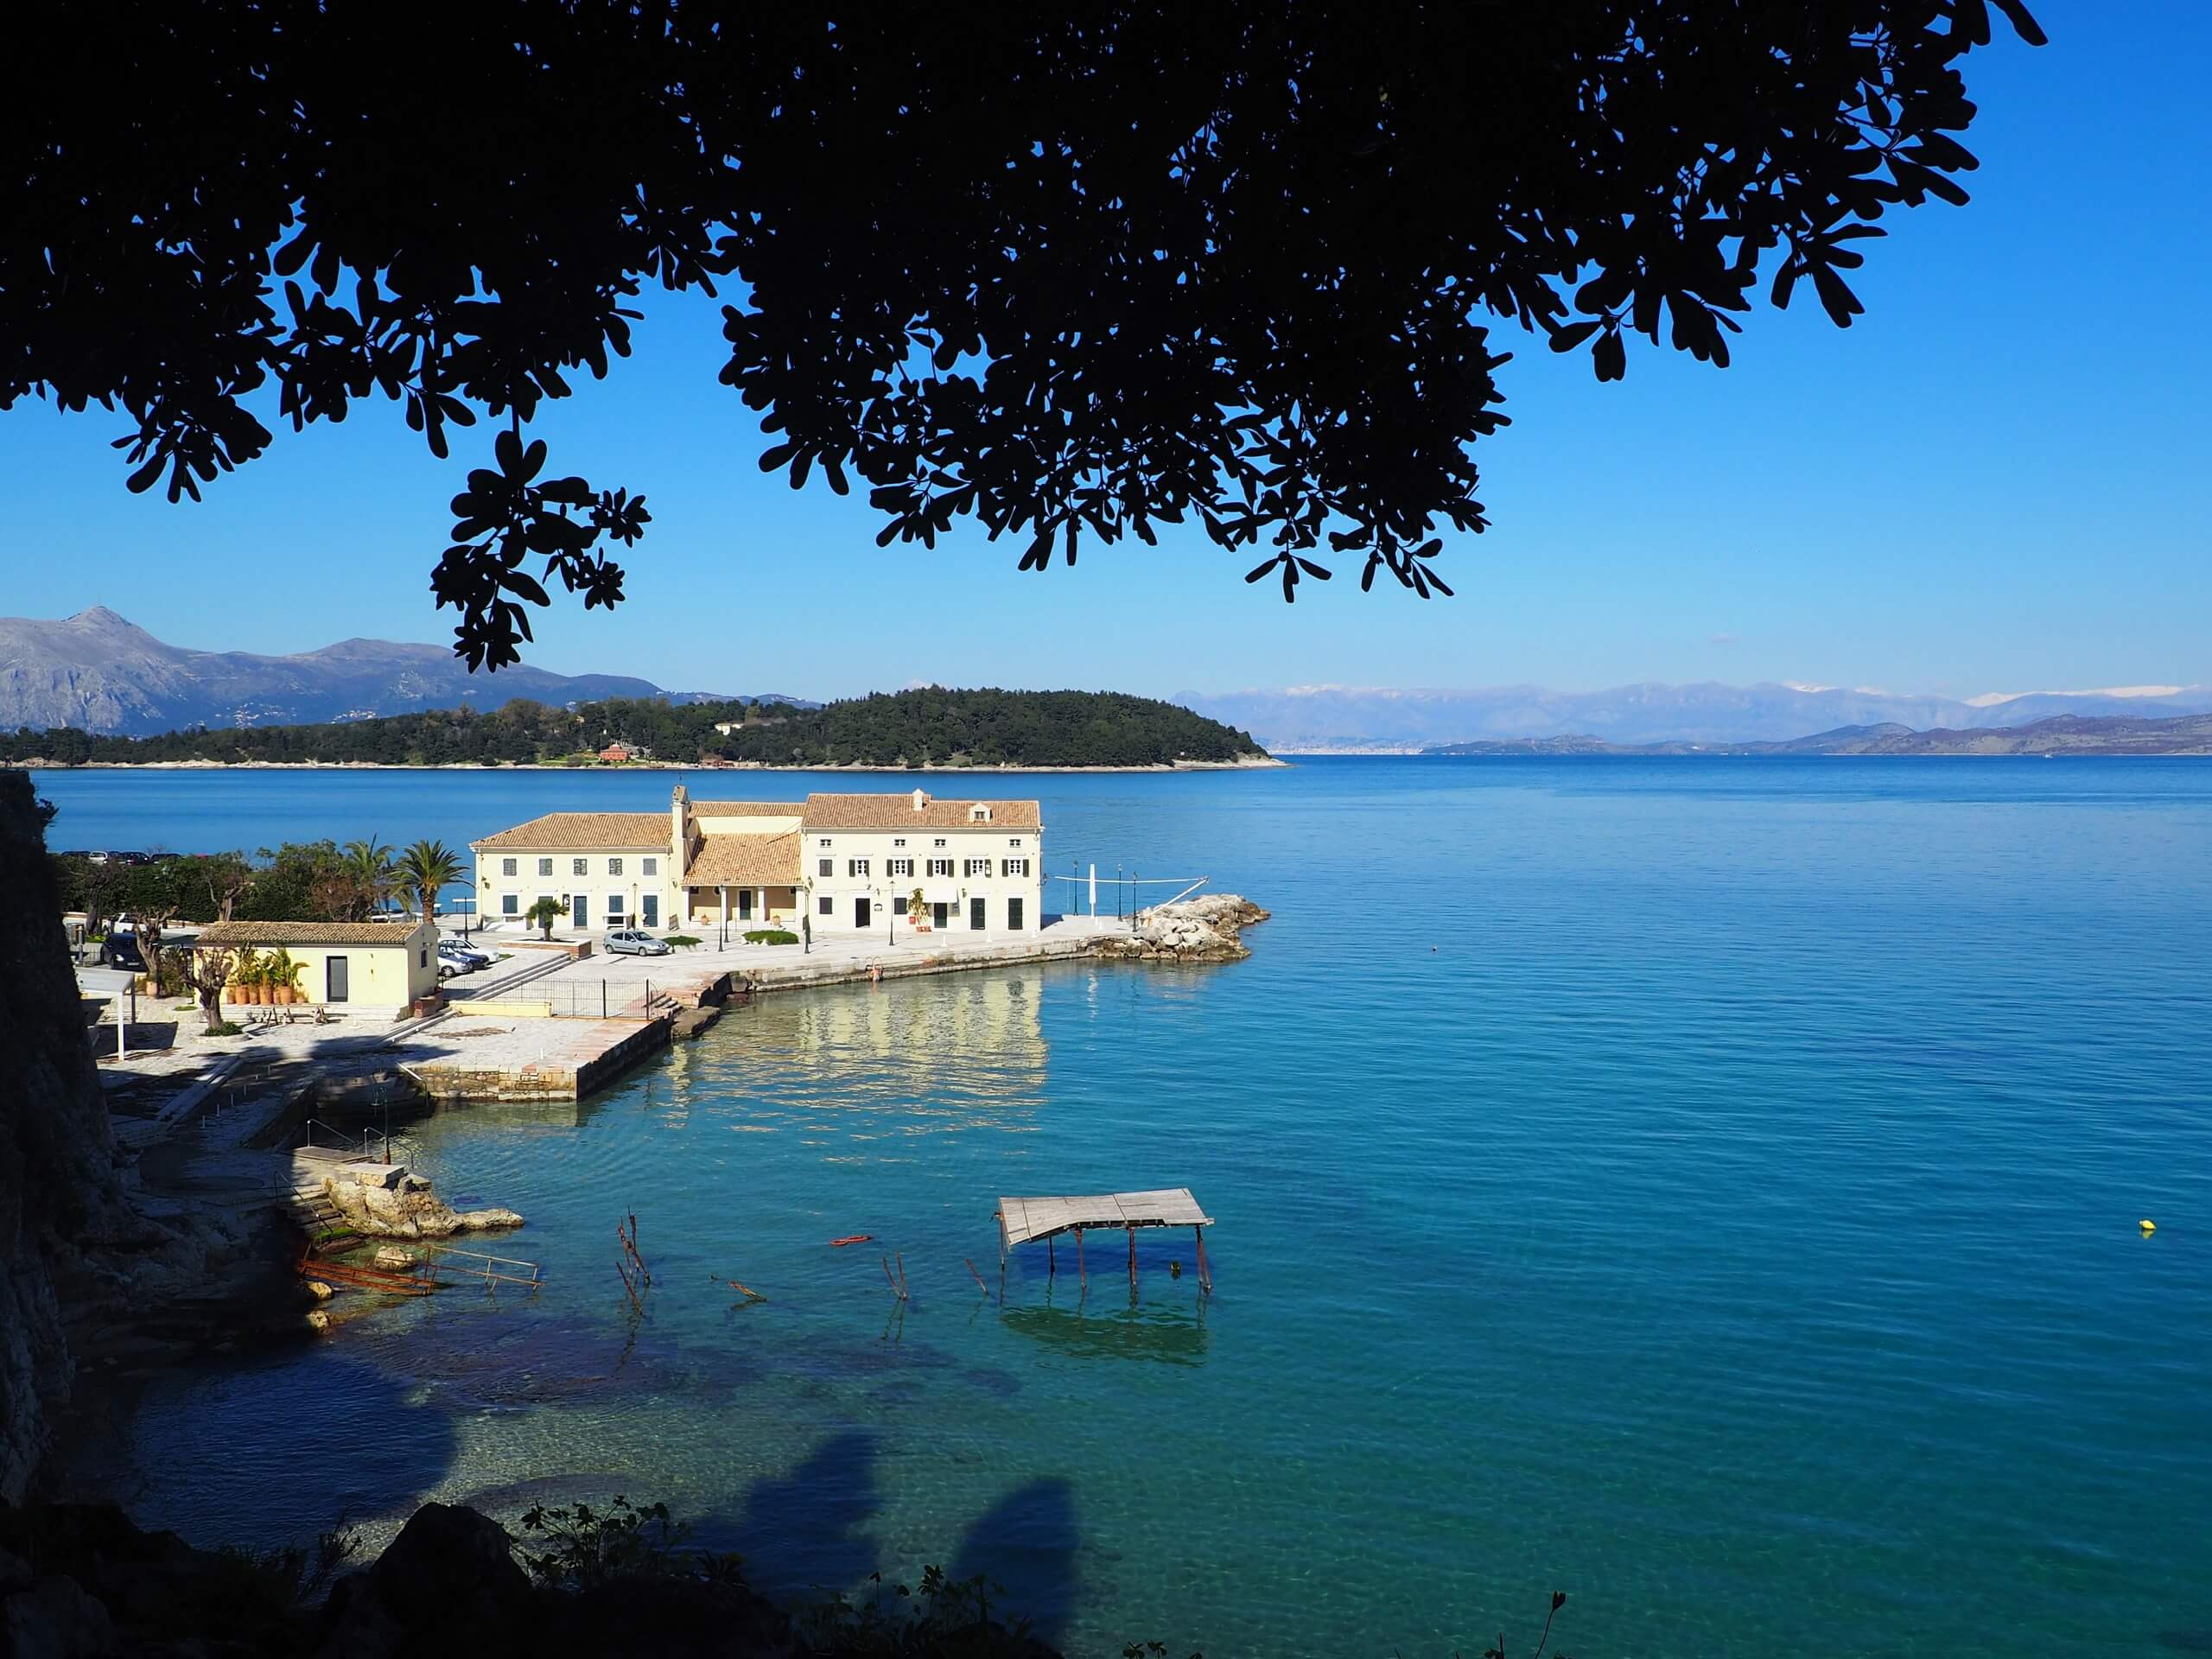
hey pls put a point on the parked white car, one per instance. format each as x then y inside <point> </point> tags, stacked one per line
<point>633,942</point>
<point>454,957</point>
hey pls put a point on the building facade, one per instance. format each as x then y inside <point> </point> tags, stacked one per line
<point>363,964</point>
<point>609,869</point>
<point>897,864</point>
<point>904,864</point>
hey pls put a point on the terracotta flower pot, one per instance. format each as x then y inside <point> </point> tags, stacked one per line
<point>285,994</point>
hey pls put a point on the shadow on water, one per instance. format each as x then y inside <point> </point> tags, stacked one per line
<point>808,1528</point>
<point>229,1443</point>
<point>1026,1541</point>
<point>1169,1336</point>
<point>491,1357</point>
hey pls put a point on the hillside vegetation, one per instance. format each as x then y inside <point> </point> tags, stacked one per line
<point>924,728</point>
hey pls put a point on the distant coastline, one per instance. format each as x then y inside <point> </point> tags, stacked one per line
<point>2059,736</point>
<point>1241,763</point>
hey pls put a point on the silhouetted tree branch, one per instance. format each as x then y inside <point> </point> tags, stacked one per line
<point>1066,268</point>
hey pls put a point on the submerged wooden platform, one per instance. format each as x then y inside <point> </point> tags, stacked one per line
<point>1024,1220</point>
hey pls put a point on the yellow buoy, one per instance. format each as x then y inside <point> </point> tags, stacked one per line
<point>2148,1225</point>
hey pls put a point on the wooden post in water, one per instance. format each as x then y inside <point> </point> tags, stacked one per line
<point>1133,1258</point>
<point>1052,1260</point>
<point>1205,1276</point>
<point>1082,1278</point>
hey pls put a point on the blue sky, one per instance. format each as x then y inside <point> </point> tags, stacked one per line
<point>1983,485</point>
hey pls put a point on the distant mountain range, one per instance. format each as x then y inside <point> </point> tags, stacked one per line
<point>98,672</point>
<point>2060,734</point>
<point>1329,719</point>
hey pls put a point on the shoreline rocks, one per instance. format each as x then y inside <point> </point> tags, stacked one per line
<point>1204,929</point>
<point>386,1201</point>
<point>83,1580</point>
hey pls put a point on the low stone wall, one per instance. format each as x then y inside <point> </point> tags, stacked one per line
<point>610,1064</point>
<point>454,1083</point>
<point>569,1071</point>
<point>911,961</point>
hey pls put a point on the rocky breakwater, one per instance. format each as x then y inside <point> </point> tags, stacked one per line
<point>1206,928</point>
<point>387,1201</point>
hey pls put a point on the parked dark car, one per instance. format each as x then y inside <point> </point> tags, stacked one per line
<point>121,951</point>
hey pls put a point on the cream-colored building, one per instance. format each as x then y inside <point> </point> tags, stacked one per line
<point>844,863</point>
<point>365,965</point>
<point>611,869</point>
<point>977,866</point>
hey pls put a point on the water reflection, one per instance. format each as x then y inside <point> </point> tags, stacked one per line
<point>957,1050</point>
<point>1146,1332</point>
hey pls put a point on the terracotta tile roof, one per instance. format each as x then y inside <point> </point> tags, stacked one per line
<point>897,812</point>
<point>745,862</point>
<point>398,935</point>
<point>582,831</point>
<point>747,808</point>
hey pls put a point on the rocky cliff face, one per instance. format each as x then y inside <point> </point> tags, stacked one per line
<point>85,1276</point>
<point>60,1188</point>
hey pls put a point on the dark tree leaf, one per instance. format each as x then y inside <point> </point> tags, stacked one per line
<point>1279,318</point>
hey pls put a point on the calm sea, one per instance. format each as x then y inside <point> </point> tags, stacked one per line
<point>1706,1186</point>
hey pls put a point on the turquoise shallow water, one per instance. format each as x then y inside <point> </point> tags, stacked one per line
<point>1706,1186</point>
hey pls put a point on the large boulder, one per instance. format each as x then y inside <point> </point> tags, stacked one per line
<point>448,1580</point>
<point>55,1619</point>
<point>453,1572</point>
<point>385,1201</point>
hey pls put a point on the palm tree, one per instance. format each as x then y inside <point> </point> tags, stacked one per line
<point>368,864</point>
<point>427,867</point>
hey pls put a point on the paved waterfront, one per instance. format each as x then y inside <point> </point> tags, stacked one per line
<point>493,1041</point>
<point>833,958</point>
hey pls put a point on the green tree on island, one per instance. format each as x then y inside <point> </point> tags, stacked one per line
<point>928,723</point>
<point>546,912</point>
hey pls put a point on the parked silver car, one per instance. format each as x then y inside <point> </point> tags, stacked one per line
<point>633,942</point>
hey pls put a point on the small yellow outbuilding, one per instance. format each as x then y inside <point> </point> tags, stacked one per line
<point>363,964</point>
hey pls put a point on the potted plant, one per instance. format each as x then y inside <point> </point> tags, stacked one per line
<point>915,911</point>
<point>243,974</point>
